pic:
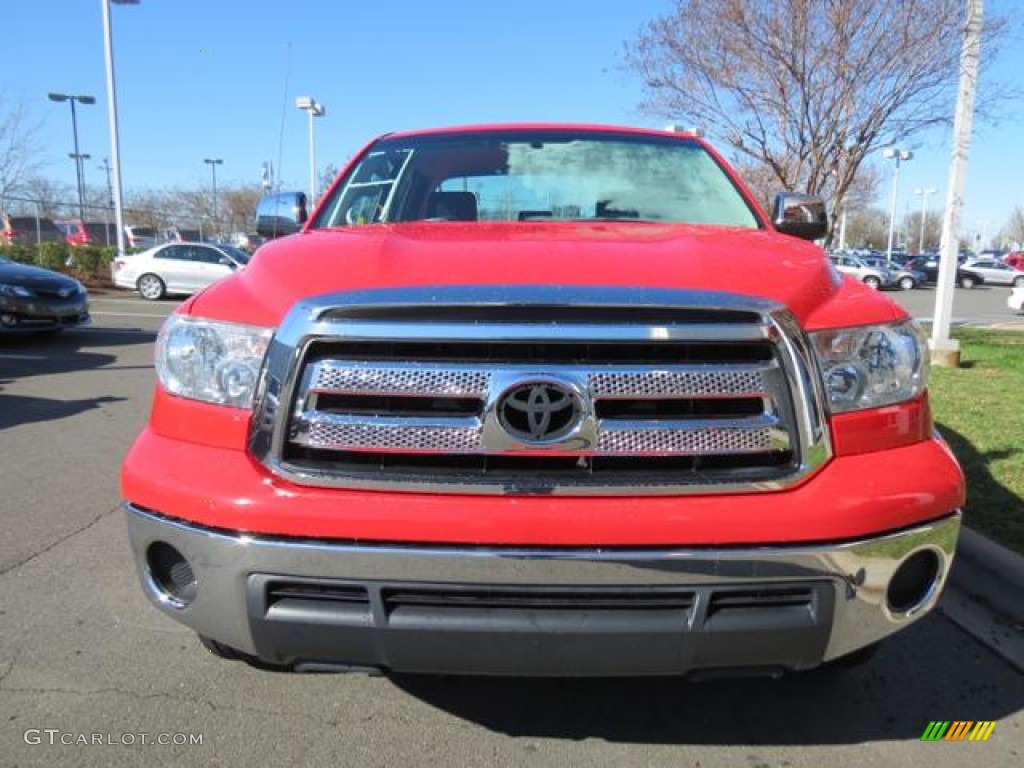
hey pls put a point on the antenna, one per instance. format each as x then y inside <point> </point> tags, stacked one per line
<point>284,109</point>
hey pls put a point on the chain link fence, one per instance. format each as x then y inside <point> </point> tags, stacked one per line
<point>39,221</point>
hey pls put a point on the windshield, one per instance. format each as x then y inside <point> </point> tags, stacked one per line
<point>235,253</point>
<point>536,176</point>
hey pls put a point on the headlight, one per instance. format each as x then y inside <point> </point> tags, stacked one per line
<point>211,361</point>
<point>8,289</point>
<point>872,366</point>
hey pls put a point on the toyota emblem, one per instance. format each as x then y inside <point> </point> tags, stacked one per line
<point>539,411</point>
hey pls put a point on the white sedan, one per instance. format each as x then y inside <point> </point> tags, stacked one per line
<point>179,268</point>
<point>1016,299</point>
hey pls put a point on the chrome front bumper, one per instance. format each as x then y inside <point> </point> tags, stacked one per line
<point>846,584</point>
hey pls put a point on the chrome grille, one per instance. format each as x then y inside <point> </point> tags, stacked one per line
<point>348,376</point>
<point>661,383</point>
<point>689,441</point>
<point>400,405</point>
<point>328,432</point>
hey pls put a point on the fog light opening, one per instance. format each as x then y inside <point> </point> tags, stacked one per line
<point>172,574</point>
<point>8,320</point>
<point>914,583</point>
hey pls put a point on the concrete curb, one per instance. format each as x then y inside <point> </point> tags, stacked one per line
<point>988,555</point>
<point>985,595</point>
<point>990,571</point>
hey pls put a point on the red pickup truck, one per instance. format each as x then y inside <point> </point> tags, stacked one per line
<point>543,400</point>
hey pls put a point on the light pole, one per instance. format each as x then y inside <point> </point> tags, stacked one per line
<point>213,162</point>
<point>314,109</point>
<point>79,161</point>
<point>898,155</point>
<point>923,192</point>
<point>76,155</point>
<point>115,149</point>
<point>110,203</point>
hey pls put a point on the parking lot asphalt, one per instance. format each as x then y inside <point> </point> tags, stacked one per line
<point>82,653</point>
<point>984,305</point>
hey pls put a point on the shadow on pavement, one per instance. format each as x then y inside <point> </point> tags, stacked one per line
<point>932,671</point>
<point>26,355</point>
<point>15,409</point>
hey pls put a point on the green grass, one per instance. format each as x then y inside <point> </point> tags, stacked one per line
<point>979,409</point>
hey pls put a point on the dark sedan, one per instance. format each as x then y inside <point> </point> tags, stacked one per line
<point>965,278</point>
<point>35,299</point>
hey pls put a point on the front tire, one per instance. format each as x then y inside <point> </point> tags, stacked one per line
<point>907,283</point>
<point>967,282</point>
<point>872,282</point>
<point>151,287</point>
<point>1018,281</point>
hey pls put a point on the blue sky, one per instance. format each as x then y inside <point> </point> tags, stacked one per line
<point>213,78</point>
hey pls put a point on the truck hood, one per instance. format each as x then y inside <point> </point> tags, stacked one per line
<point>634,254</point>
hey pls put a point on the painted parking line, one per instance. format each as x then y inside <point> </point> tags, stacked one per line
<point>113,329</point>
<point>93,299</point>
<point>127,314</point>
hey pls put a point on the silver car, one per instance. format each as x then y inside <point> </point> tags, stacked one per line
<point>875,277</point>
<point>176,268</point>
<point>996,272</point>
<point>903,277</point>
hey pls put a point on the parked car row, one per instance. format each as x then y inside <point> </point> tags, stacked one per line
<point>76,232</point>
<point>878,273</point>
<point>28,229</point>
<point>929,265</point>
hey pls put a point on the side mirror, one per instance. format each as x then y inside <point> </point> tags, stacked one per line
<point>226,262</point>
<point>281,214</point>
<point>799,215</point>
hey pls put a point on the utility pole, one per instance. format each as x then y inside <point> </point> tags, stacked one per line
<point>946,351</point>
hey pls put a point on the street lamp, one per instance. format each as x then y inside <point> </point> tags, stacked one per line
<point>923,192</point>
<point>213,162</point>
<point>115,149</point>
<point>79,158</point>
<point>314,109</point>
<point>76,156</point>
<point>898,155</point>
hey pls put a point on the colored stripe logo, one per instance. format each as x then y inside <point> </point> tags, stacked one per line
<point>958,730</point>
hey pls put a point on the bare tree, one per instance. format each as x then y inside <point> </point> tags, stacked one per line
<point>1014,229</point>
<point>932,231</point>
<point>867,228</point>
<point>764,184</point>
<point>808,88</point>
<point>51,199</point>
<point>239,207</point>
<point>327,176</point>
<point>19,148</point>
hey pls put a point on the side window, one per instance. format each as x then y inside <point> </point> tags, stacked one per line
<point>173,252</point>
<point>205,255</point>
